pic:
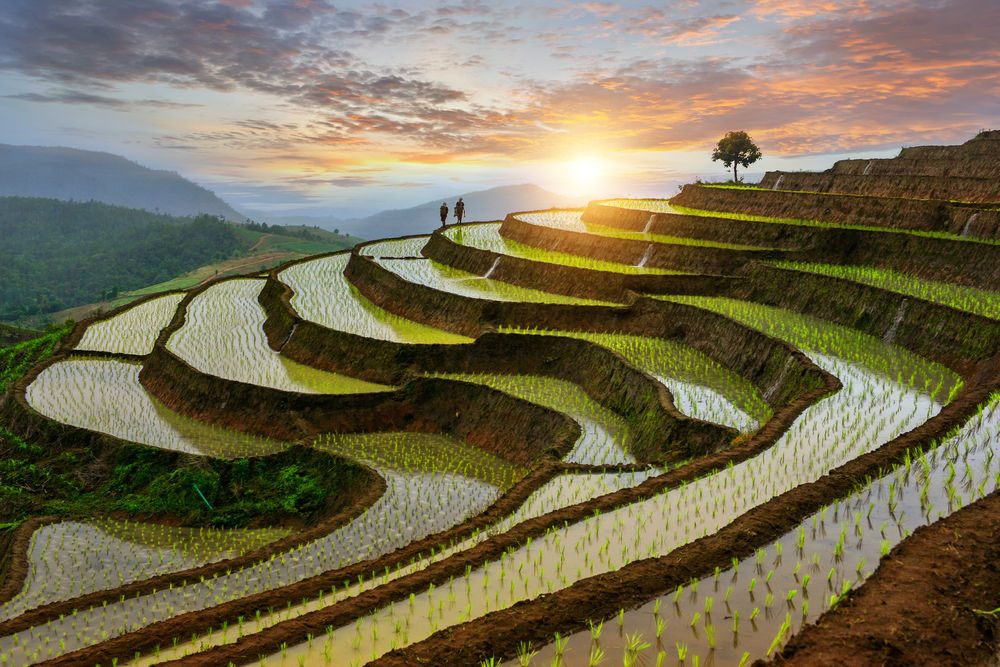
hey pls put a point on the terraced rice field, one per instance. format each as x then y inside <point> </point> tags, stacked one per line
<point>486,236</point>
<point>694,475</point>
<point>324,295</point>
<point>223,336</point>
<point>456,281</point>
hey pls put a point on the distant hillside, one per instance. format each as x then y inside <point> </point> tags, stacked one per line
<point>57,254</point>
<point>65,259</point>
<point>492,204</point>
<point>325,222</point>
<point>67,173</point>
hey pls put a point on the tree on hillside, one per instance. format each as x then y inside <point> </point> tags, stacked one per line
<point>736,148</point>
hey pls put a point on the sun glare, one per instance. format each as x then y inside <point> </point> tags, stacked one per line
<point>585,170</point>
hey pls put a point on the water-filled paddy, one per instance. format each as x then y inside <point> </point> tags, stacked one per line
<point>223,335</point>
<point>701,388</point>
<point>105,395</point>
<point>455,281</point>
<point>73,558</point>
<point>486,236</point>
<point>809,333</point>
<point>561,492</point>
<point>396,247</point>
<point>871,410</point>
<point>780,588</point>
<point>433,482</point>
<point>133,331</point>
<point>324,295</point>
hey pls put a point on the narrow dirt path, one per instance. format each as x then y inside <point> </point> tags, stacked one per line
<point>263,259</point>
<point>261,240</point>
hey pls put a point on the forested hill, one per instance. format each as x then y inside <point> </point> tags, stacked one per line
<point>58,254</point>
<point>68,173</point>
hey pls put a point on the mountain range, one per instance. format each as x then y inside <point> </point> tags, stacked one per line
<point>55,172</point>
<point>492,204</point>
<point>79,175</point>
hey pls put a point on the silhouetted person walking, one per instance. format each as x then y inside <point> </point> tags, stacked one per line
<point>444,214</point>
<point>460,210</point>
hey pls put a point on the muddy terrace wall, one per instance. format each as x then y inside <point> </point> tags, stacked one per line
<point>515,430</point>
<point>555,278</point>
<point>956,261</point>
<point>723,230</point>
<point>908,214</point>
<point>659,429</point>
<point>983,166</point>
<point>760,359</point>
<point>970,263</point>
<point>957,339</point>
<point>677,257</point>
<point>915,187</point>
<point>471,413</point>
<point>977,158</point>
<point>576,281</point>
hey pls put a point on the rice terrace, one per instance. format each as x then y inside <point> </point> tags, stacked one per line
<point>744,425</point>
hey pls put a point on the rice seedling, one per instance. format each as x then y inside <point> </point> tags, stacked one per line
<point>324,295</point>
<point>434,482</point>
<point>971,299</point>
<point>69,559</point>
<point>455,281</point>
<point>132,331</point>
<point>818,433</point>
<point>486,236</point>
<point>223,336</point>
<point>395,247</point>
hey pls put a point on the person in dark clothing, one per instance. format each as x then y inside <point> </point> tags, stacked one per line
<point>444,214</point>
<point>460,210</point>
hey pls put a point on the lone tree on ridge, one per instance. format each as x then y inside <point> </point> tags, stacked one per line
<point>736,148</point>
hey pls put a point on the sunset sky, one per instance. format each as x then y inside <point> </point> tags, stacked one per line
<point>350,108</point>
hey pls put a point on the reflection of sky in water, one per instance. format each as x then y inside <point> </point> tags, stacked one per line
<point>105,395</point>
<point>324,295</point>
<point>223,335</point>
<point>867,413</point>
<point>396,247</point>
<point>866,524</point>
<point>71,558</point>
<point>133,331</point>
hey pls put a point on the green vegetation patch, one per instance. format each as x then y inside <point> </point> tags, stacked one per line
<point>60,254</point>
<point>78,477</point>
<point>147,482</point>
<point>16,360</point>
<point>971,299</point>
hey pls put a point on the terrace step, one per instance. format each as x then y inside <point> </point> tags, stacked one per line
<point>887,185</point>
<point>925,215</point>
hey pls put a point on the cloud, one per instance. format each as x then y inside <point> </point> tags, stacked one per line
<point>79,97</point>
<point>801,76</point>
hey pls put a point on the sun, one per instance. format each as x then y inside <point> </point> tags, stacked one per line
<point>585,170</point>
